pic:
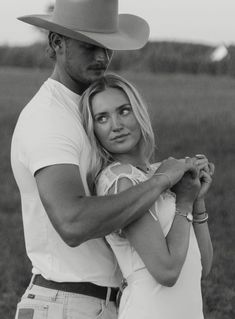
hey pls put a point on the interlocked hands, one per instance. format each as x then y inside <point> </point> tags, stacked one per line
<point>189,178</point>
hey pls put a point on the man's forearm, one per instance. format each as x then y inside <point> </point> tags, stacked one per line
<point>97,216</point>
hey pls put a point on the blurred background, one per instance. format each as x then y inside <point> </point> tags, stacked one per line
<point>186,73</point>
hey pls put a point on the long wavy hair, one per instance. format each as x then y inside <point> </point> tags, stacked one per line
<point>100,157</point>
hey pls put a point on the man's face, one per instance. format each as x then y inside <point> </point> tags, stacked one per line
<point>84,62</point>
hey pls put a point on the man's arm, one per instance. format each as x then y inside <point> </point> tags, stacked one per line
<point>78,218</point>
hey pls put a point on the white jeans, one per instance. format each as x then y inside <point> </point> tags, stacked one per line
<point>43,303</point>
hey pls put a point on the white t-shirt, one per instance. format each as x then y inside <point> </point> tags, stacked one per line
<point>49,132</point>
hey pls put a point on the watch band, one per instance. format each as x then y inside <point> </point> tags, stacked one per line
<point>187,215</point>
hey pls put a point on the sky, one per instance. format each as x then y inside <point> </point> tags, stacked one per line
<point>199,21</point>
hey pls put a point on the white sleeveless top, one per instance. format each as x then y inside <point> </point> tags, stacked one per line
<point>144,297</point>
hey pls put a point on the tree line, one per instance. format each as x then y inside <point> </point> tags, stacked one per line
<point>155,57</point>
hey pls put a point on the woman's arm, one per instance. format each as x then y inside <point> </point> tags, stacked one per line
<point>163,257</point>
<point>200,216</point>
<point>203,236</point>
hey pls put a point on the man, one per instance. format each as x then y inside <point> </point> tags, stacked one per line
<point>75,274</point>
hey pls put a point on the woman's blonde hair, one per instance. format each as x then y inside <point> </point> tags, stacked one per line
<point>100,158</point>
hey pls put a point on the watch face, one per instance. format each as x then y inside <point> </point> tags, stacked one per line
<point>190,217</point>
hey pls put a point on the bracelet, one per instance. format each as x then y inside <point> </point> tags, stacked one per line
<point>201,220</point>
<point>201,213</point>
<point>165,174</point>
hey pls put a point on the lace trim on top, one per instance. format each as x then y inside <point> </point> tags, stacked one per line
<point>108,179</point>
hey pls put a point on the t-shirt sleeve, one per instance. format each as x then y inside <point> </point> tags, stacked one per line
<point>50,140</point>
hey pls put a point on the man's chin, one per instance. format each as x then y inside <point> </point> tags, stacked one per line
<point>96,76</point>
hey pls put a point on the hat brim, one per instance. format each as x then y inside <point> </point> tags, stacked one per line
<point>132,33</point>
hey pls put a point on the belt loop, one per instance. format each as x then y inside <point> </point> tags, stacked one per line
<point>31,282</point>
<point>56,296</point>
<point>108,296</point>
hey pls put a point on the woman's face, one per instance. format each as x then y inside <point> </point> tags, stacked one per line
<point>115,124</point>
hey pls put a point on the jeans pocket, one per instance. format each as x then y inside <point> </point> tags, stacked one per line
<point>31,311</point>
<point>37,309</point>
<point>84,307</point>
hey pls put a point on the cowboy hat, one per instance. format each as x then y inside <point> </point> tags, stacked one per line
<point>94,21</point>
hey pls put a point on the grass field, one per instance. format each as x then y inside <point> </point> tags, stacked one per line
<point>190,115</point>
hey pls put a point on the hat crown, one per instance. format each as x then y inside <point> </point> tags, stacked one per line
<point>87,15</point>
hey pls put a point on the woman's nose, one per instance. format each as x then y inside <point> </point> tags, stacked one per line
<point>116,124</point>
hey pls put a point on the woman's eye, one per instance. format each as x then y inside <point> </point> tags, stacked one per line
<point>101,119</point>
<point>125,111</point>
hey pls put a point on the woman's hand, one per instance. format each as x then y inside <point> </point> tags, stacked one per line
<point>188,187</point>
<point>207,170</point>
<point>205,181</point>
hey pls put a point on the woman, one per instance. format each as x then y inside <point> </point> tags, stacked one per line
<point>163,254</point>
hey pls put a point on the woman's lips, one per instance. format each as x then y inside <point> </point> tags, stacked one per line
<point>119,137</point>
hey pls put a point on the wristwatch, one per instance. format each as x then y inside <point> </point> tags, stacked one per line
<point>188,215</point>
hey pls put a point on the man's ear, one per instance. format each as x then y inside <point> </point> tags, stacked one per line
<point>56,41</point>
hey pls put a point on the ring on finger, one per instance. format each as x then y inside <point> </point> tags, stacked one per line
<point>200,155</point>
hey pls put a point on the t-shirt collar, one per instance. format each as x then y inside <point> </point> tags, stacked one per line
<point>62,88</point>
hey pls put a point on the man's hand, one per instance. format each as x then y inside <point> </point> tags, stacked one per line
<point>203,164</point>
<point>174,169</point>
